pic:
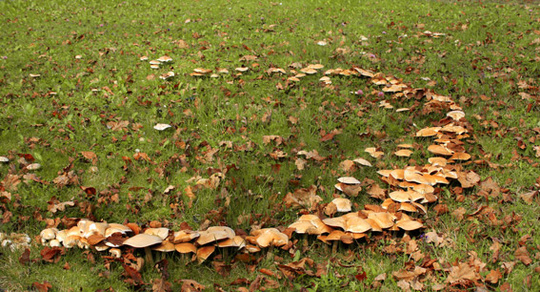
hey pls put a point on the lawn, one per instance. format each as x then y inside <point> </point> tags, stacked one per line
<point>261,113</point>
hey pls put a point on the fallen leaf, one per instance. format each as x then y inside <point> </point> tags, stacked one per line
<point>522,254</point>
<point>25,257</point>
<point>42,287</point>
<point>494,276</point>
<point>462,272</point>
<point>191,286</point>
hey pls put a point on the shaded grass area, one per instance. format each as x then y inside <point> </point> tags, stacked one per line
<point>486,60</point>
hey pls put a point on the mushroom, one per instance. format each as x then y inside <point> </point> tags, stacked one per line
<point>270,237</point>
<point>185,236</point>
<point>342,204</point>
<point>165,246</point>
<point>144,240</point>
<point>115,227</point>
<point>310,224</point>
<point>47,235</point>
<point>205,252</point>
<point>160,232</point>
<point>214,233</point>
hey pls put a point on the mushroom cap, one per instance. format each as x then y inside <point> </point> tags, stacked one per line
<point>428,132</point>
<point>351,222</point>
<point>160,232</point>
<point>357,225</point>
<point>165,246</point>
<point>252,248</point>
<point>409,225</point>
<point>342,204</point>
<point>185,236</point>
<point>403,153</point>
<point>115,252</point>
<point>236,241</point>
<point>92,228</point>
<point>61,235</point>
<point>460,156</point>
<point>185,247</point>
<point>384,219</point>
<point>71,240</point>
<point>310,224</point>
<point>215,233</point>
<point>440,150</point>
<point>48,233</point>
<point>270,236</point>
<point>374,225</point>
<point>115,227</point>
<point>143,240</point>
<point>204,252</point>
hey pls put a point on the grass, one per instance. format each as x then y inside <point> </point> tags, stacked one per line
<point>488,57</point>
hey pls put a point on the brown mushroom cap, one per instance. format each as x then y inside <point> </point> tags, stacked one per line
<point>165,246</point>
<point>384,219</point>
<point>185,236</point>
<point>160,232</point>
<point>342,204</point>
<point>349,222</point>
<point>143,240</point>
<point>310,224</point>
<point>440,150</point>
<point>270,236</point>
<point>115,227</point>
<point>428,132</point>
<point>215,233</point>
<point>408,224</point>
<point>456,115</point>
<point>236,241</point>
<point>48,233</point>
<point>205,252</point>
<point>185,247</point>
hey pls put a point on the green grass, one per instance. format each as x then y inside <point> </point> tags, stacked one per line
<point>490,51</point>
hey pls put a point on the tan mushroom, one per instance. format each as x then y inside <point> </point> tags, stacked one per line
<point>185,236</point>
<point>160,232</point>
<point>270,237</point>
<point>215,233</point>
<point>204,252</point>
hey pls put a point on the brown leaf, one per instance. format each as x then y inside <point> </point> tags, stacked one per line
<point>462,272</point>
<point>255,284</point>
<point>494,276</point>
<point>89,155</point>
<point>42,287</point>
<point>134,277</point>
<point>468,179</point>
<point>6,217</point>
<point>441,209</point>
<point>191,286</point>
<point>375,191</point>
<point>25,257</point>
<point>10,182</point>
<point>522,254</point>
<point>161,285</point>
<point>52,254</point>
<point>351,190</point>
<point>528,197</point>
<point>347,165</point>
<point>117,126</point>
<point>305,197</point>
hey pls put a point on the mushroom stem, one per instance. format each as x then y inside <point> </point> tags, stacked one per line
<point>335,246</point>
<point>270,254</point>
<point>305,238</point>
<point>148,256</point>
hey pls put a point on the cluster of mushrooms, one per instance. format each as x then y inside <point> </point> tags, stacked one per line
<point>15,240</point>
<point>412,186</point>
